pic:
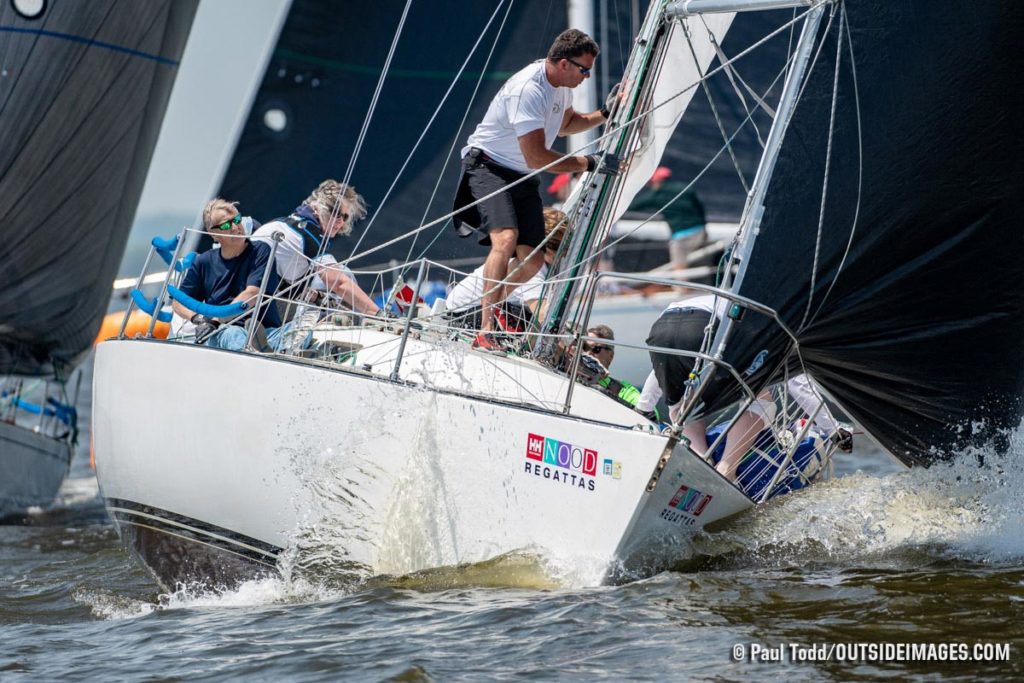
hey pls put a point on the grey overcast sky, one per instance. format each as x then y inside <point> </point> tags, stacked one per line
<point>222,65</point>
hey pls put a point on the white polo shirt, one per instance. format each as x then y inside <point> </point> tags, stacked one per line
<point>525,103</point>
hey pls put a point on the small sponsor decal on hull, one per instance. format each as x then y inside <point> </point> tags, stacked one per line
<point>612,468</point>
<point>686,506</point>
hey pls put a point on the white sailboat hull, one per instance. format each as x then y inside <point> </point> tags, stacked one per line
<point>213,463</point>
<point>32,468</point>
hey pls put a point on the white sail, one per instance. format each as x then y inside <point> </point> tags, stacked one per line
<point>676,86</point>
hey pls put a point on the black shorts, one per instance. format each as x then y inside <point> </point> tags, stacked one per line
<point>682,329</point>
<point>520,207</point>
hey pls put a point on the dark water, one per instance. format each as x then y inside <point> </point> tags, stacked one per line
<point>880,555</point>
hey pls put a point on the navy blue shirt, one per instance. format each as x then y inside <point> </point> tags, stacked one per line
<point>216,280</point>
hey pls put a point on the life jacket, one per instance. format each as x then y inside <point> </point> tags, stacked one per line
<point>311,242</point>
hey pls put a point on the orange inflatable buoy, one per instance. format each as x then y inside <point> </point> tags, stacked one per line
<point>138,323</point>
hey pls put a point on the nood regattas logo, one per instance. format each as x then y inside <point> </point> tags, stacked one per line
<point>686,505</point>
<point>561,461</point>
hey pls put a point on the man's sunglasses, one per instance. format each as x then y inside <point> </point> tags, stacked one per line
<point>228,224</point>
<point>595,348</point>
<point>584,70</point>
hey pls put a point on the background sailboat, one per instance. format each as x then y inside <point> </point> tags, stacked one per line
<point>83,89</point>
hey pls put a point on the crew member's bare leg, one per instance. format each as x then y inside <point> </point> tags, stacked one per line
<point>503,247</point>
<point>741,437</point>
<point>522,267</point>
<point>696,432</point>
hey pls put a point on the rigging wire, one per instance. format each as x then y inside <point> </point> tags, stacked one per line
<point>714,109</point>
<point>860,166</point>
<point>456,138</point>
<point>828,167</point>
<point>373,105</point>
<point>433,117</point>
<point>735,76</point>
<point>602,138</point>
<point>618,36</point>
<point>543,35</point>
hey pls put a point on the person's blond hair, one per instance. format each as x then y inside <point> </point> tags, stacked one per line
<point>327,200</point>
<point>215,205</point>
<point>556,225</point>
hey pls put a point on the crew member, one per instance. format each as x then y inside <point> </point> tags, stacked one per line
<point>518,306</point>
<point>330,210</point>
<point>683,326</point>
<point>229,274</point>
<point>515,137</point>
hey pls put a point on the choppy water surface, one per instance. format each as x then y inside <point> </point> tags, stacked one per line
<point>880,555</point>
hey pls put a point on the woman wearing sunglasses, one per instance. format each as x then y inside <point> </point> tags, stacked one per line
<point>330,210</point>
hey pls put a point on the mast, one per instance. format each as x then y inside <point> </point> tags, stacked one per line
<point>754,210</point>
<point>581,16</point>
<point>592,209</point>
<point>589,207</point>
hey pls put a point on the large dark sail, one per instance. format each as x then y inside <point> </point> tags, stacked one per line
<point>82,95</point>
<point>904,287</point>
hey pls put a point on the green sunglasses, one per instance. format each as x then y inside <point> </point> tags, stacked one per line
<point>228,224</point>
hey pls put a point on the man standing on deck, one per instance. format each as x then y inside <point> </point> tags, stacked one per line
<point>515,137</point>
<point>681,209</point>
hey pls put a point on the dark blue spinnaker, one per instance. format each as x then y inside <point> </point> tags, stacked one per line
<point>904,287</point>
